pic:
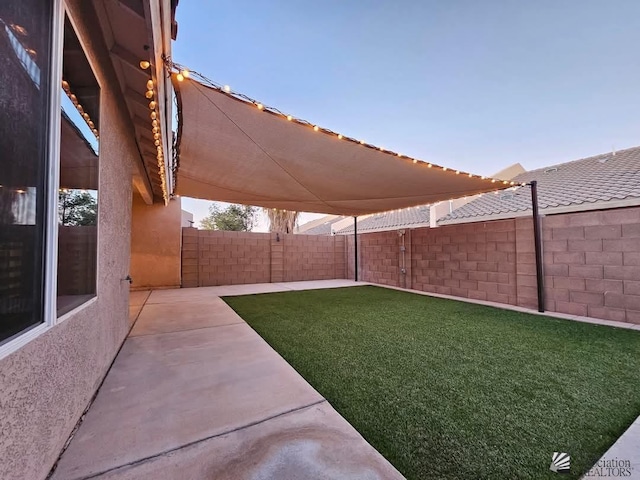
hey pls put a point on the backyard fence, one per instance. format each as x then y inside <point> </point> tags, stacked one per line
<point>228,258</point>
<point>591,260</point>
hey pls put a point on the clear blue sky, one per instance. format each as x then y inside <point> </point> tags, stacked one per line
<point>472,85</point>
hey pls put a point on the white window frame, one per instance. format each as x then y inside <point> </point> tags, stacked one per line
<point>52,183</point>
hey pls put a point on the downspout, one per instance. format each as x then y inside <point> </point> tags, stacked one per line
<point>403,268</point>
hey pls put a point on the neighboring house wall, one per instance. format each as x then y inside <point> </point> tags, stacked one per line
<point>156,237</point>
<point>187,219</point>
<point>591,262</point>
<point>47,384</point>
<point>227,258</point>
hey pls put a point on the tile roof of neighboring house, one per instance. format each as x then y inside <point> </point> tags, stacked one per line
<point>406,218</point>
<point>605,177</point>
<point>323,228</point>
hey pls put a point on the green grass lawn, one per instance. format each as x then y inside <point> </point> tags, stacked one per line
<point>451,390</point>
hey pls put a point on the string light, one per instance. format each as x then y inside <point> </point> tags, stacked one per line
<point>180,77</point>
<point>415,160</point>
<point>144,64</point>
<point>186,73</point>
<point>315,128</point>
<point>227,88</point>
<point>429,165</point>
<point>339,136</point>
<point>444,169</point>
<point>85,116</point>
<point>457,172</point>
<point>289,117</point>
<point>260,106</point>
<point>157,135</point>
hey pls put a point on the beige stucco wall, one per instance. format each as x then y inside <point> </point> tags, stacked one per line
<point>46,385</point>
<point>156,236</point>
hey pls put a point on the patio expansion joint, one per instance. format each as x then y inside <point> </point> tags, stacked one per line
<point>185,330</point>
<point>194,442</point>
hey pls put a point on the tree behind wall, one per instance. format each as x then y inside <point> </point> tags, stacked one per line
<point>237,218</point>
<point>283,221</point>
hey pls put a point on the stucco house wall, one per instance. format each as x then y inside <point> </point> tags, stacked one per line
<point>156,240</point>
<point>47,384</point>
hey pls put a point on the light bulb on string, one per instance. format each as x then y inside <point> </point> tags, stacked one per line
<point>153,115</point>
<point>149,94</point>
<point>260,106</point>
<point>180,77</point>
<point>226,88</point>
<point>289,117</point>
<point>186,73</point>
<point>315,128</point>
<point>149,84</point>
<point>144,64</point>
<point>152,105</point>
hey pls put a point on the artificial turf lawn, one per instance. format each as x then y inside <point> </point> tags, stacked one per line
<point>447,389</point>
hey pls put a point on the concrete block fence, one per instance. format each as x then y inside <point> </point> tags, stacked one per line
<point>229,258</point>
<point>591,260</point>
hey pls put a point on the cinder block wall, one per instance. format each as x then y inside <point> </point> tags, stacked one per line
<point>591,262</point>
<point>227,258</point>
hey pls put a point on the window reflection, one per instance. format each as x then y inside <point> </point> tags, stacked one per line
<point>78,189</point>
<point>25,42</point>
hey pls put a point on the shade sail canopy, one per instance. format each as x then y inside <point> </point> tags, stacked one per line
<point>238,151</point>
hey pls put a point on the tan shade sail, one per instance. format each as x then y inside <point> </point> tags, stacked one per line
<point>232,150</point>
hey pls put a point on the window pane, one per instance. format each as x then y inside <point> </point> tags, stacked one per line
<point>25,44</point>
<point>78,193</point>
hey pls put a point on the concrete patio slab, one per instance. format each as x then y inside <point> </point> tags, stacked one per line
<point>320,284</point>
<point>313,443</point>
<point>195,393</point>
<point>166,391</point>
<point>174,317</point>
<point>199,294</point>
<point>136,302</point>
<point>139,297</point>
